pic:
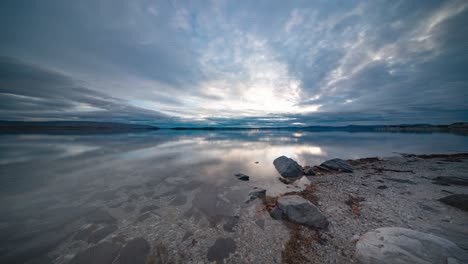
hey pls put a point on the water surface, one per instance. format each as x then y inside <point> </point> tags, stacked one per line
<point>53,185</point>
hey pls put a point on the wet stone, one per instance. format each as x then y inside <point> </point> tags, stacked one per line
<point>135,252</point>
<point>459,201</point>
<point>221,249</point>
<point>399,180</point>
<point>242,177</point>
<point>103,253</point>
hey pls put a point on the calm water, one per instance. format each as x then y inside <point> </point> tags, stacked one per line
<point>51,183</point>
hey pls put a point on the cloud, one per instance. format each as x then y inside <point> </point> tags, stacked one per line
<point>247,61</point>
<point>29,92</point>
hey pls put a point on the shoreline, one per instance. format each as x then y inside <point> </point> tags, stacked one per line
<point>397,191</point>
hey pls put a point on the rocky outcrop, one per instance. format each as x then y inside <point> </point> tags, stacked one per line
<point>391,245</point>
<point>459,201</point>
<point>338,165</point>
<point>298,210</point>
<point>308,171</point>
<point>288,167</point>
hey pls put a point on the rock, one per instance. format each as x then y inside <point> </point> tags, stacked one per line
<point>298,210</point>
<point>135,252</point>
<point>308,171</point>
<point>390,245</point>
<point>287,167</point>
<point>258,193</point>
<point>242,177</point>
<point>230,223</point>
<point>382,187</point>
<point>276,213</point>
<point>449,180</point>
<point>98,235</point>
<point>459,201</point>
<point>101,253</point>
<point>221,249</point>
<point>337,165</point>
<point>287,180</point>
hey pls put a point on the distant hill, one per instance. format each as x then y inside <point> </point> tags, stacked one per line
<point>67,127</point>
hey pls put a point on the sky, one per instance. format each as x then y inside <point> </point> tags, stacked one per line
<point>235,63</point>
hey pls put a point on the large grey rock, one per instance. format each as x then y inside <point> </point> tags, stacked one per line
<point>337,165</point>
<point>287,167</point>
<point>298,210</point>
<point>394,245</point>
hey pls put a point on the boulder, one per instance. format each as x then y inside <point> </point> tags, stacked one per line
<point>287,167</point>
<point>337,165</point>
<point>459,201</point>
<point>242,177</point>
<point>389,245</point>
<point>298,210</point>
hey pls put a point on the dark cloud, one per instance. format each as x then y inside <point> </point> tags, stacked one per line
<point>235,62</point>
<point>31,92</point>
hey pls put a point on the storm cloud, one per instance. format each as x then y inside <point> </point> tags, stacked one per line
<point>235,62</point>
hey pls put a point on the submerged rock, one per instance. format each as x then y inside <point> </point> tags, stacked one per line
<point>242,177</point>
<point>287,167</point>
<point>390,245</point>
<point>298,210</point>
<point>135,252</point>
<point>459,201</point>
<point>338,165</point>
<point>99,234</point>
<point>221,249</point>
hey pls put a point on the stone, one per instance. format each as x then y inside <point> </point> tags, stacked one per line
<point>242,177</point>
<point>221,249</point>
<point>450,180</point>
<point>308,171</point>
<point>298,210</point>
<point>287,167</point>
<point>99,234</point>
<point>102,253</point>
<point>338,165</point>
<point>390,245</point>
<point>257,193</point>
<point>459,201</point>
<point>135,251</point>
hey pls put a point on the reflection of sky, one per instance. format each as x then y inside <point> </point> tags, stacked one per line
<point>43,172</point>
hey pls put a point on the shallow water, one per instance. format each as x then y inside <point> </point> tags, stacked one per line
<point>52,185</point>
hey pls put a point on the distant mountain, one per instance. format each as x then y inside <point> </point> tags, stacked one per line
<point>67,127</point>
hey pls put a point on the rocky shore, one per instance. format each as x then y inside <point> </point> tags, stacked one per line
<point>404,209</point>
